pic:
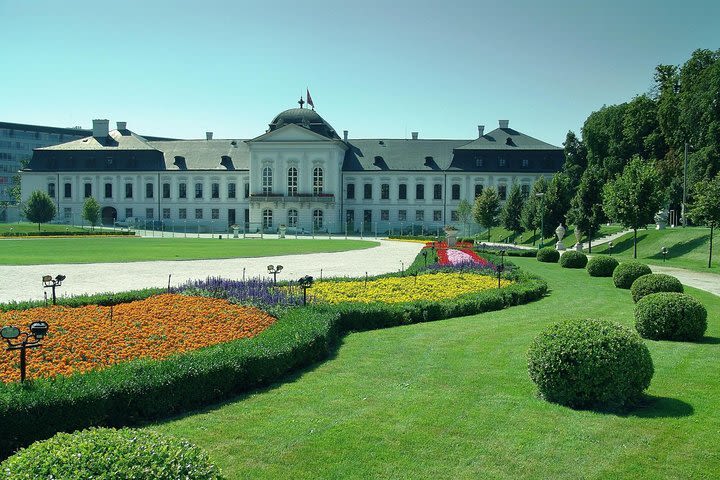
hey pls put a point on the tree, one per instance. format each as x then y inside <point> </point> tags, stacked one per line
<point>575,158</point>
<point>556,203</point>
<point>586,211</point>
<point>512,210</point>
<point>706,206</point>
<point>486,208</point>
<point>532,211</point>
<point>39,208</point>
<point>15,184</point>
<point>634,196</point>
<point>464,211</point>
<point>91,211</point>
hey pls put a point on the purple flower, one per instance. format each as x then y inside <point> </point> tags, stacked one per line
<point>255,291</point>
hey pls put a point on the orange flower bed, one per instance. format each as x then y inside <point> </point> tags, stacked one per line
<point>87,338</point>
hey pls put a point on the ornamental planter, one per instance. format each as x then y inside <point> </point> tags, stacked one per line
<point>451,235</point>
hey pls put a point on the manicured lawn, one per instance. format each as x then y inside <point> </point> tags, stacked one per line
<point>452,399</point>
<point>687,248</point>
<point>33,227</point>
<point>499,234</point>
<point>38,251</point>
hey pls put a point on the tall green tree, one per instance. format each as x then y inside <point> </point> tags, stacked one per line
<point>486,209</point>
<point>512,210</point>
<point>464,211</point>
<point>39,208</point>
<point>575,158</point>
<point>532,211</point>
<point>91,211</point>
<point>586,210</point>
<point>556,203</point>
<point>634,196</point>
<point>706,207</point>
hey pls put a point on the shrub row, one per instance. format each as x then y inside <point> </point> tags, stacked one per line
<point>573,259</point>
<point>654,283</point>
<point>602,266</point>
<point>104,299</point>
<point>64,233</point>
<point>147,389</point>
<point>548,255</point>
<point>511,252</point>
<point>627,272</point>
<point>670,316</point>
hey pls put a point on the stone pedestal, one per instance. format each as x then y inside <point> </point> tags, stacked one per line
<point>451,236</point>
<point>560,232</point>
<point>281,231</point>
<point>661,219</point>
<point>236,229</point>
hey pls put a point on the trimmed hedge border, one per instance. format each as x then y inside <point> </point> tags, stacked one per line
<point>548,255</point>
<point>670,316</point>
<point>627,272</point>
<point>573,259</point>
<point>61,233</point>
<point>601,266</point>
<point>654,283</point>
<point>142,390</point>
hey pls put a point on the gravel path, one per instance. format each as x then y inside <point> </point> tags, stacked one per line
<point>23,282</point>
<point>709,282</point>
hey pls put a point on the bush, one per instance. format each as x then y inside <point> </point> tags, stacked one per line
<point>601,266</point>
<point>590,363</point>
<point>573,259</point>
<point>626,273</point>
<point>108,453</point>
<point>670,316</point>
<point>654,283</point>
<point>548,255</point>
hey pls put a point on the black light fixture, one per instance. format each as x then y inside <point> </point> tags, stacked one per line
<point>501,267</point>
<point>664,252</point>
<point>18,340</point>
<point>274,270</point>
<point>305,283</point>
<point>610,247</point>
<point>50,282</point>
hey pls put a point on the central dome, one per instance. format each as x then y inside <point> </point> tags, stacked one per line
<point>305,118</point>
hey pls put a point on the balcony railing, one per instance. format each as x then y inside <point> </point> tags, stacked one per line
<point>298,198</point>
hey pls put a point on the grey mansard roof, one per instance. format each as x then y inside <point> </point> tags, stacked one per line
<point>393,154</point>
<point>507,139</point>
<point>231,154</point>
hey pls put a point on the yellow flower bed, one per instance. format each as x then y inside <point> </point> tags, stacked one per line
<point>436,286</point>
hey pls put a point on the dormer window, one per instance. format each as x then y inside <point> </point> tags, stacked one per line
<point>525,163</point>
<point>479,162</point>
<point>501,162</point>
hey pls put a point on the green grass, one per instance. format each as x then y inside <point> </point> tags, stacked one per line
<point>452,399</point>
<point>687,248</point>
<point>25,227</point>
<point>500,234</point>
<point>39,251</point>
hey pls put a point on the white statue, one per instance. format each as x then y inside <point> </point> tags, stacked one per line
<point>661,219</point>
<point>560,232</point>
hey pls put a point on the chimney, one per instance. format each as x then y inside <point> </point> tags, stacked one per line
<point>101,128</point>
<point>345,135</point>
<point>503,123</point>
<point>208,135</point>
<point>122,125</point>
<point>414,135</point>
<point>481,130</point>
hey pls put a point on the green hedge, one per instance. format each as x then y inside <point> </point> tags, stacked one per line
<point>601,266</point>
<point>654,283</point>
<point>573,259</point>
<point>527,253</point>
<point>627,272</point>
<point>104,299</point>
<point>62,233</point>
<point>670,316</point>
<point>108,453</point>
<point>590,363</point>
<point>548,255</point>
<point>142,390</point>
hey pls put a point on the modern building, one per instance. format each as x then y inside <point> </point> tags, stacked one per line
<point>17,142</point>
<point>299,173</point>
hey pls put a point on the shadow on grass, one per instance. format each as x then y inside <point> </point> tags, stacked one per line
<point>709,341</point>
<point>622,246</point>
<point>652,406</point>
<point>683,248</point>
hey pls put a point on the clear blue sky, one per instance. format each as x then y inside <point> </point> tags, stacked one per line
<point>377,69</point>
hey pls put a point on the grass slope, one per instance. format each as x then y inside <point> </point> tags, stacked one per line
<point>687,248</point>
<point>25,227</point>
<point>452,399</point>
<point>35,251</point>
<point>500,234</point>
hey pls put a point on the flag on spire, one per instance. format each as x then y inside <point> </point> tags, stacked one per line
<point>309,99</point>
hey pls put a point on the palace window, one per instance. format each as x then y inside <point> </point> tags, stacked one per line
<point>525,191</point>
<point>149,190</point>
<point>267,184</point>
<point>385,191</point>
<point>215,190</point>
<point>215,213</point>
<point>478,189</point>
<point>198,213</point>
<point>128,190</point>
<point>419,191</point>
<point>454,216</point>
<point>437,192</point>
<point>166,213</point>
<point>502,192</point>
<point>402,191</point>
<point>292,181</point>
<point>456,191</point>
<point>108,190</point>
<point>128,213</point>
<point>318,183</point>
<point>182,213</point>
<point>198,190</point>
<point>402,215</point>
<point>437,215</point>
<point>368,191</point>
<point>182,190</point>
<point>525,163</point>
<point>68,190</point>
<point>419,215</point>
<point>292,218</point>
<point>501,162</point>
<point>149,213</point>
<point>267,216</point>
<point>384,215</point>
<point>317,219</point>
<point>351,191</point>
<point>231,190</point>
<point>166,190</point>
<point>88,190</point>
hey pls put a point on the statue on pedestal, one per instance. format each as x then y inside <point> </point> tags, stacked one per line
<point>560,232</point>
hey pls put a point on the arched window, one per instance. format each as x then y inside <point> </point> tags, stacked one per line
<point>267,218</point>
<point>267,180</point>
<point>292,218</point>
<point>317,219</point>
<point>292,182</point>
<point>317,181</point>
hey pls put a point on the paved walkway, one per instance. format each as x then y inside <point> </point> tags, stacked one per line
<point>23,282</point>
<point>709,282</point>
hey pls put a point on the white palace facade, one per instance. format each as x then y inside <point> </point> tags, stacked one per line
<point>299,173</point>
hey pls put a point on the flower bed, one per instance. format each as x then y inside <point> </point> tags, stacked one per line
<point>437,286</point>
<point>95,337</point>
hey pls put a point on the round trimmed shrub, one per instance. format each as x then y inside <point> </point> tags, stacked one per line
<point>670,316</point>
<point>601,266</point>
<point>626,273</point>
<point>654,283</point>
<point>548,255</point>
<point>573,259</point>
<point>590,363</point>
<point>109,453</point>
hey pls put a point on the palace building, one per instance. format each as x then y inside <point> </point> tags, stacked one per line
<point>300,173</point>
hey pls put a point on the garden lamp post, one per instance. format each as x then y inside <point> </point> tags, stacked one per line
<point>18,340</point>
<point>424,254</point>
<point>610,247</point>
<point>274,270</point>
<point>305,283</point>
<point>664,252</point>
<point>541,196</point>
<point>501,267</point>
<point>50,282</point>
